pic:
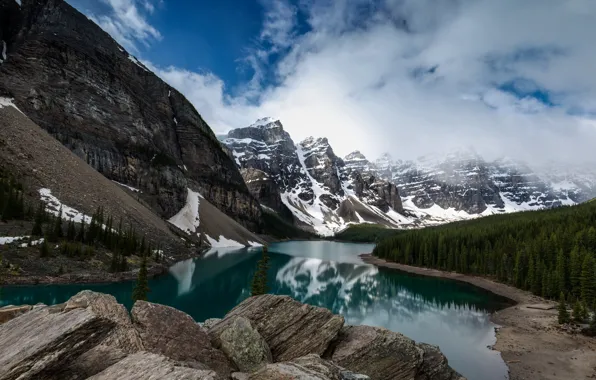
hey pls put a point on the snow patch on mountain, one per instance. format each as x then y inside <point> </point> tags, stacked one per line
<point>223,242</point>
<point>54,205</point>
<point>187,219</point>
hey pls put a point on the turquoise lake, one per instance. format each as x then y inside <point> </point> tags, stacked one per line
<point>453,315</point>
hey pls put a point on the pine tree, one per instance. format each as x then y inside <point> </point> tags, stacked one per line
<point>259,280</point>
<point>44,249</point>
<point>142,287</point>
<point>39,217</point>
<point>81,234</point>
<point>142,247</point>
<point>71,231</point>
<point>588,280</point>
<point>58,225</point>
<point>563,313</point>
<point>577,312</point>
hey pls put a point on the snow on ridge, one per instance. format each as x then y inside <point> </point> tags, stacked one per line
<point>187,219</point>
<point>137,62</point>
<point>263,122</point>
<point>19,2</point>
<point>128,187</point>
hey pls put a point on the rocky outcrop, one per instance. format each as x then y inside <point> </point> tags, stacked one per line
<point>307,182</point>
<point>174,334</point>
<point>265,337</point>
<point>71,78</point>
<point>310,367</point>
<point>145,365</point>
<point>47,339</point>
<point>386,355</point>
<point>244,345</point>
<point>121,341</point>
<point>290,328</point>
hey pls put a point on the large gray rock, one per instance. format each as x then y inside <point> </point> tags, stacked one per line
<point>386,355</point>
<point>310,367</point>
<point>148,366</point>
<point>244,345</point>
<point>174,334</point>
<point>120,342</point>
<point>290,328</point>
<point>38,343</point>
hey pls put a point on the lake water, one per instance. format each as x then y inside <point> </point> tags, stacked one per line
<point>450,314</point>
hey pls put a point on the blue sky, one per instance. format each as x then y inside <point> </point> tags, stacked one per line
<point>409,77</point>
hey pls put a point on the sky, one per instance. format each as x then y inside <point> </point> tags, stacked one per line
<point>408,77</point>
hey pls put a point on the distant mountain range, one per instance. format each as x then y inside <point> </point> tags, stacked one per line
<point>307,183</point>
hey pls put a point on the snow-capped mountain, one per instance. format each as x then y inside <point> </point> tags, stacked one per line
<point>462,185</point>
<point>308,183</point>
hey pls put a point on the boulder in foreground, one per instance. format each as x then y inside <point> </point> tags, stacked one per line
<point>38,343</point>
<point>169,332</point>
<point>290,328</point>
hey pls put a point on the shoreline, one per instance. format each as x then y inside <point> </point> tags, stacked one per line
<point>529,339</point>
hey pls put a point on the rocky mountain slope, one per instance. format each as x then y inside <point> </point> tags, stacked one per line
<point>72,79</point>
<point>267,337</point>
<point>463,185</point>
<point>307,182</point>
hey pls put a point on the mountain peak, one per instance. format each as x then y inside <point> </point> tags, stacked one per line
<point>266,122</point>
<point>355,155</point>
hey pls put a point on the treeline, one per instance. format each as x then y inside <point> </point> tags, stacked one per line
<point>12,204</point>
<point>75,239</point>
<point>79,240</point>
<point>546,252</point>
<point>365,233</point>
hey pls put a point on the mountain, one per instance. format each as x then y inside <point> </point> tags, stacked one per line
<point>463,185</point>
<point>307,183</point>
<point>69,77</point>
<point>72,79</point>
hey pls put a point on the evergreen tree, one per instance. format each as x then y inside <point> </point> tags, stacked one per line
<point>259,280</point>
<point>142,287</point>
<point>71,231</point>
<point>39,217</point>
<point>81,234</point>
<point>58,225</point>
<point>588,280</point>
<point>44,249</point>
<point>577,312</point>
<point>563,313</point>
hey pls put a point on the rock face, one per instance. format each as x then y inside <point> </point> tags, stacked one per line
<point>307,182</point>
<point>46,339</point>
<point>244,345</point>
<point>174,334</point>
<point>147,366</point>
<point>290,328</point>
<point>75,81</point>
<point>385,355</point>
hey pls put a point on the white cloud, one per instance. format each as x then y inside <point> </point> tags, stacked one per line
<point>127,23</point>
<point>416,76</point>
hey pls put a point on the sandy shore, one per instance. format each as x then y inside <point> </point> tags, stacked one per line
<point>529,339</point>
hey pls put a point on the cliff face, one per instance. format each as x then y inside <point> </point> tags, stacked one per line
<point>75,81</point>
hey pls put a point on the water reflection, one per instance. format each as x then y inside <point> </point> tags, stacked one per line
<point>453,315</point>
